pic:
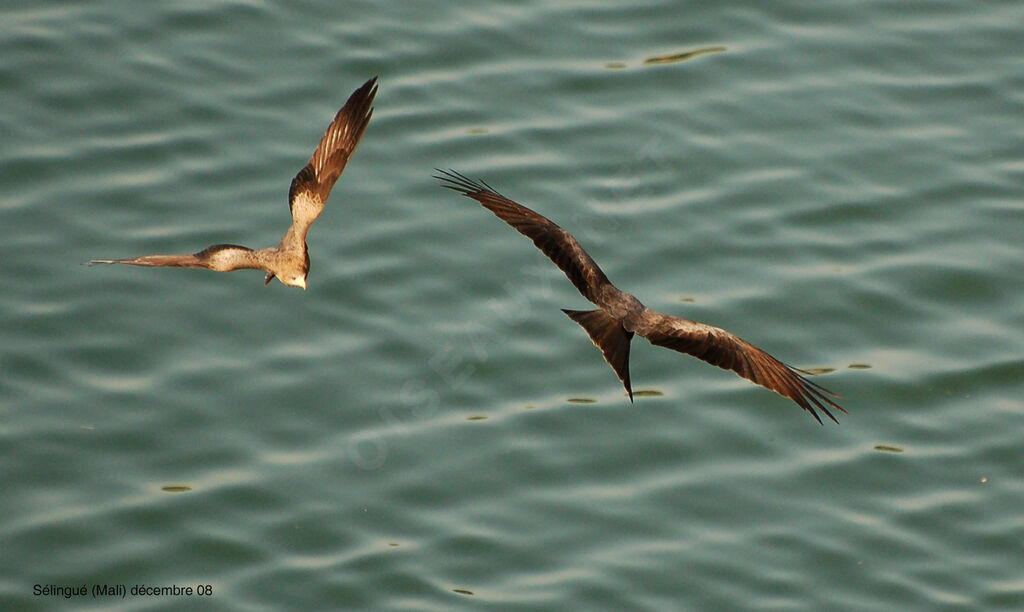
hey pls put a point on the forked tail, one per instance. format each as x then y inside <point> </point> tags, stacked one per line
<point>608,335</point>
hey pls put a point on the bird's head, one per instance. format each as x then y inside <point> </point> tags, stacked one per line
<point>291,280</point>
<point>291,270</point>
<point>294,280</point>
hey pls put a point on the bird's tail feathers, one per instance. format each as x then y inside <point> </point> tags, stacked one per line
<point>608,335</point>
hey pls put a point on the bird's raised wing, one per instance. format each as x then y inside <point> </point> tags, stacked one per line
<point>725,350</point>
<point>554,241</point>
<point>312,185</point>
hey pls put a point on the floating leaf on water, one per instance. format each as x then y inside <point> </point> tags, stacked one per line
<point>615,65</point>
<point>859,366</point>
<point>888,448</point>
<point>392,543</point>
<point>581,400</point>
<point>463,591</point>
<point>176,488</point>
<point>476,417</point>
<point>687,299</point>
<point>679,57</point>
<point>647,393</point>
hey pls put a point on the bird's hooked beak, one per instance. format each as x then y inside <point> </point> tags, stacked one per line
<point>270,277</point>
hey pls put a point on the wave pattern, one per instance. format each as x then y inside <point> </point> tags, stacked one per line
<point>839,185</point>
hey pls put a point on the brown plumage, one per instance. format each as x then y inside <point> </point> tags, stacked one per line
<point>620,315</point>
<point>289,260</point>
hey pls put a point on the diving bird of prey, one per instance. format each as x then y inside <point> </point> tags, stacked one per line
<point>289,260</point>
<point>620,315</point>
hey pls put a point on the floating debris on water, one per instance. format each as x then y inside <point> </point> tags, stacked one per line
<point>816,371</point>
<point>687,299</point>
<point>647,393</point>
<point>888,448</point>
<point>476,417</point>
<point>615,65</point>
<point>680,57</point>
<point>463,591</point>
<point>176,488</point>
<point>859,366</point>
<point>581,400</point>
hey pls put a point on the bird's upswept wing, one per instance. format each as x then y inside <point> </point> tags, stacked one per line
<point>312,185</point>
<point>725,350</point>
<point>554,241</point>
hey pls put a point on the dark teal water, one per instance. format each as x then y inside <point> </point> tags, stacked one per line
<point>842,186</point>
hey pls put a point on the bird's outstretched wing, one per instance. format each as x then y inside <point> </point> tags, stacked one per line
<point>219,257</point>
<point>725,350</point>
<point>554,241</point>
<point>312,185</point>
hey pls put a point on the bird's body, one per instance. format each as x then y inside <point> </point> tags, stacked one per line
<point>289,260</point>
<point>620,315</point>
